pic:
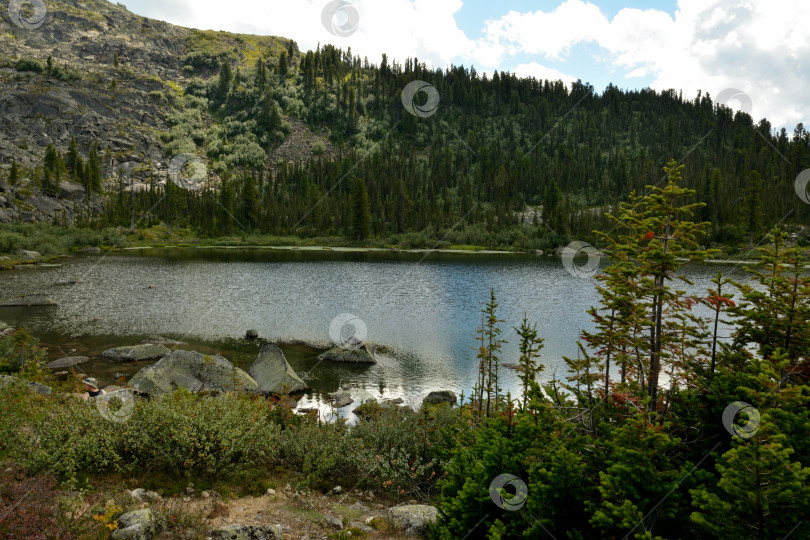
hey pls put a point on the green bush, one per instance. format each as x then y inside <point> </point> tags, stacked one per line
<point>182,434</point>
<point>27,64</point>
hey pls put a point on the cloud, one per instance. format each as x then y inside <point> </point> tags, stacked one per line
<point>758,46</point>
<point>533,69</point>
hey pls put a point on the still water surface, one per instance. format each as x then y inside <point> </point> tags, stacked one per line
<point>423,308</point>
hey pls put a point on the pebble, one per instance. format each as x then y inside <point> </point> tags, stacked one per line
<point>271,492</point>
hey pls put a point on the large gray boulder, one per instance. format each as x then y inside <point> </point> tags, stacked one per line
<point>360,355</point>
<point>136,353</point>
<point>192,371</point>
<point>248,532</point>
<point>31,256</point>
<point>71,191</point>
<point>70,361</point>
<point>413,519</point>
<point>440,396</point>
<point>273,373</point>
<point>7,381</point>
<point>137,525</point>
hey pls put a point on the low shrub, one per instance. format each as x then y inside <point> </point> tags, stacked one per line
<point>28,64</point>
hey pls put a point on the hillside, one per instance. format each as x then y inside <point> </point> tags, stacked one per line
<point>320,144</point>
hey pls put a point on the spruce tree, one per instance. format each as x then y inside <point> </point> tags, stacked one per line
<point>530,347</point>
<point>361,211</point>
<point>13,173</point>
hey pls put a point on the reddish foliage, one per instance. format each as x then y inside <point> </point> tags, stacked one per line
<point>28,507</point>
<point>718,301</point>
<point>649,236</point>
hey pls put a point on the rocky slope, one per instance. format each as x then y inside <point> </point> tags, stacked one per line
<point>115,78</point>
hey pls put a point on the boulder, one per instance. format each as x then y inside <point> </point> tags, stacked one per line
<point>360,355</point>
<point>30,256</point>
<point>273,373</point>
<point>137,525</point>
<point>28,300</point>
<point>143,496</point>
<point>413,519</point>
<point>71,191</point>
<point>248,532</point>
<point>136,353</point>
<point>7,381</point>
<point>252,334</point>
<point>159,340</point>
<point>341,399</point>
<point>193,371</point>
<point>70,361</point>
<point>440,396</point>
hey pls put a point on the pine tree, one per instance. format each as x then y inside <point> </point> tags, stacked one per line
<point>94,170</point>
<point>361,211</point>
<point>530,347</point>
<point>774,316</point>
<point>491,359</point>
<point>283,69</point>
<point>73,160</point>
<point>225,78</point>
<point>13,173</point>
<point>752,208</point>
<point>762,493</point>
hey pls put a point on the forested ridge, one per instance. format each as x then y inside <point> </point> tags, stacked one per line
<point>503,161</point>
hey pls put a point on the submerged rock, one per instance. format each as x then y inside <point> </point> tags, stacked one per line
<point>160,340</point>
<point>273,373</point>
<point>29,300</point>
<point>70,361</point>
<point>192,371</point>
<point>360,355</point>
<point>136,353</point>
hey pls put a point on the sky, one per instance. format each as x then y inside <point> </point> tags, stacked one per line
<point>759,48</point>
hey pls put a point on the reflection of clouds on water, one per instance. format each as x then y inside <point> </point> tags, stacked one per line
<point>427,321</point>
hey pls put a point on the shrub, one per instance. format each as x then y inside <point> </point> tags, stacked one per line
<point>182,433</point>
<point>27,64</point>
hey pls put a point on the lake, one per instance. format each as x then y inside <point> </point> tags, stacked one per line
<point>422,307</point>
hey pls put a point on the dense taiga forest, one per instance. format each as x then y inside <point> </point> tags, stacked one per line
<point>496,161</point>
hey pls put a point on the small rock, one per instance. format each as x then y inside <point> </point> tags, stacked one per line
<point>189,489</point>
<point>335,522</point>
<point>137,525</point>
<point>248,532</point>
<point>186,499</point>
<point>32,256</point>
<point>287,487</point>
<point>141,495</point>
<point>337,490</point>
<point>398,401</point>
<point>271,492</point>
<point>413,519</point>
<point>159,340</point>
<point>252,334</point>
<point>358,525</point>
<point>340,355</point>
<point>341,399</point>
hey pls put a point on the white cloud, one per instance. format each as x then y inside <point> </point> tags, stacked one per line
<point>533,69</point>
<point>758,46</point>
